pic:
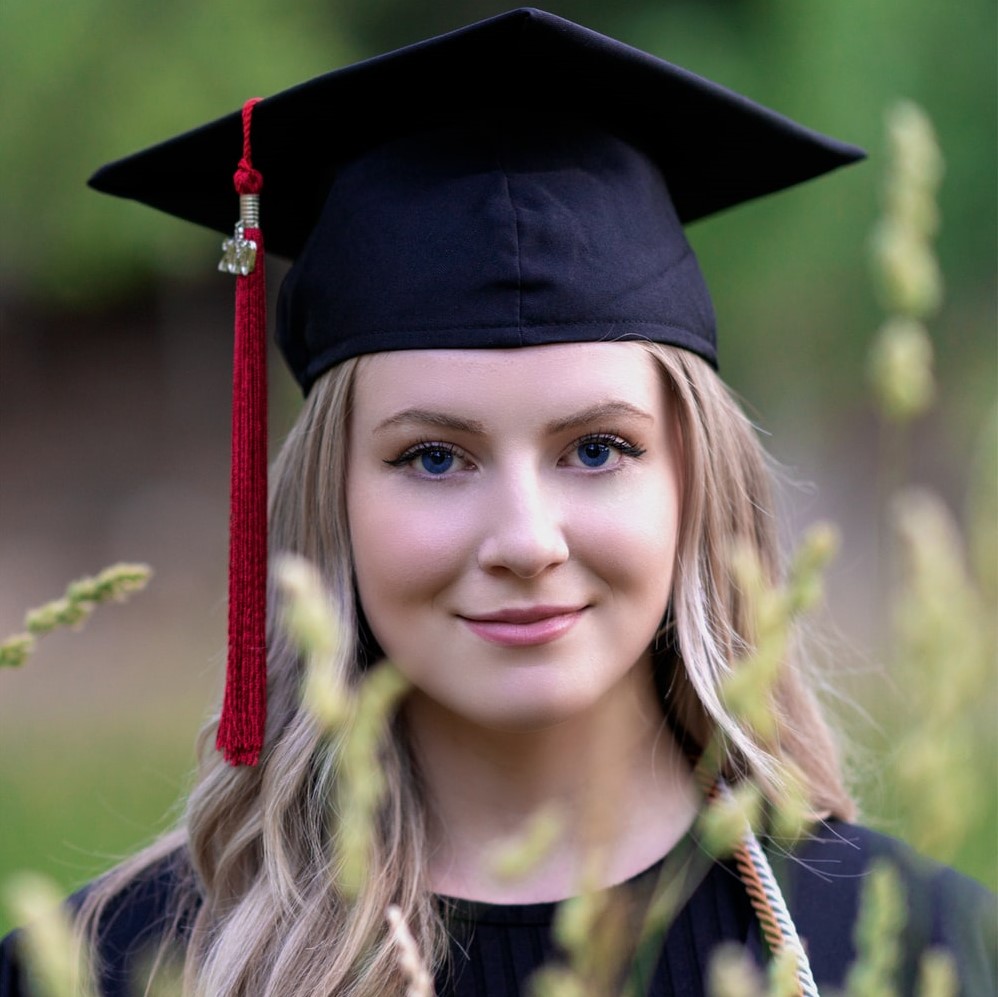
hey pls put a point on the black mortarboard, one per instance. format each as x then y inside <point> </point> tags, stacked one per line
<point>405,221</point>
<point>517,182</point>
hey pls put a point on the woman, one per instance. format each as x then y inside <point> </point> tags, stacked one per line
<point>522,482</point>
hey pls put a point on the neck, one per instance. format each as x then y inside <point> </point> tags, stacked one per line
<point>615,781</point>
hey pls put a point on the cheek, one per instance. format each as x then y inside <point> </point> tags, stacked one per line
<point>635,542</point>
<point>401,555</point>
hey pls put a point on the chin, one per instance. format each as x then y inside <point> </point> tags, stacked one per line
<point>525,722</point>
<point>530,710</point>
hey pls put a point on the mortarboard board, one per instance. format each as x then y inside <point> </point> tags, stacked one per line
<point>520,181</point>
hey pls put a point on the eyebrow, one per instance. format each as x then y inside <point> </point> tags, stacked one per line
<point>599,413</point>
<point>428,417</point>
<point>444,420</point>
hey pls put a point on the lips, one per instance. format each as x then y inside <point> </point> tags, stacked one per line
<point>524,627</point>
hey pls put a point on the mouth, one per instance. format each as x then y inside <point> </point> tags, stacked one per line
<point>524,627</point>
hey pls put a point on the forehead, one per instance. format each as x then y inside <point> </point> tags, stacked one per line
<point>525,380</point>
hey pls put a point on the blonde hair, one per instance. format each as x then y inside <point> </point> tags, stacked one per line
<point>728,501</point>
<point>257,903</point>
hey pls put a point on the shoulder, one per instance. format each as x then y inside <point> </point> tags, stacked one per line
<point>824,876</point>
<point>150,905</point>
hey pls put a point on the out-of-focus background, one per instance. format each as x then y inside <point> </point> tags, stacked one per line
<point>116,341</point>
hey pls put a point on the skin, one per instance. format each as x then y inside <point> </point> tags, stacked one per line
<point>514,517</point>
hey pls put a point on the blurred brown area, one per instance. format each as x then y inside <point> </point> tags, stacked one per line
<point>113,446</point>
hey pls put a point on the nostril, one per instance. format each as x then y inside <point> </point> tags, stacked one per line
<point>524,552</point>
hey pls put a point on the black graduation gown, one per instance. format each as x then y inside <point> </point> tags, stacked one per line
<point>497,947</point>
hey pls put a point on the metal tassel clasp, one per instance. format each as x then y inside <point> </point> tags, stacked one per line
<point>239,253</point>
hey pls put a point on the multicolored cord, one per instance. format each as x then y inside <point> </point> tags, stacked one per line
<point>775,922</point>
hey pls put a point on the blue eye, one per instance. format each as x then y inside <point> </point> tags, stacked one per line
<point>602,451</point>
<point>436,461</point>
<point>593,453</point>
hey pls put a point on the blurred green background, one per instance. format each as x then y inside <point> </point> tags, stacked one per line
<point>114,380</point>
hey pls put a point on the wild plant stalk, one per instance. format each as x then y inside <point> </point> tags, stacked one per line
<point>356,723</point>
<point>53,952</point>
<point>733,974</point>
<point>937,976</point>
<point>362,783</point>
<point>732,816</point>
<point>943,637</point>
<point>907,278</point>
<point>945,647</point>
<point>516,857</point>
<point>420,983</point>
<point>355,720</point>
<point>943,634</point>
<point>882,916</point>
<point>593,931</point>
<point>113,584</point>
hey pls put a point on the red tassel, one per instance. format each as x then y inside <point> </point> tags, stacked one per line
<point>244,708</point>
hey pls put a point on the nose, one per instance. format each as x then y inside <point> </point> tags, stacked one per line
<point>524,532</point>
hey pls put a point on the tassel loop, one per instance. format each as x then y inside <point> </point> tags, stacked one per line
<point>247,179</point>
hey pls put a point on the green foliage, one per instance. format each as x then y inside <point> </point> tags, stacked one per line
<point>89,81</point>
<point>943,637</point>
<point>945,647</point>
<point>80,794</point>
<point>905,268</point>
<point>113,584</point>
<point>775,609</point>
<point>734,974</point>
<point>356,721</point>
<point>362,784</point>
<point>793,284</point>
<point>877,936</point>
<point>48,936</point>
<point>516,858</point>
<point>900,369</point>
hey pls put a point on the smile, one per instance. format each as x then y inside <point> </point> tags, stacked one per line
<point>524,627</point>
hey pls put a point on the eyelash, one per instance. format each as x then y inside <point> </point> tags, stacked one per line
<point>612,440</point>
<point>422,447</point>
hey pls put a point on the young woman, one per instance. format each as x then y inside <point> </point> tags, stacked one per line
<point>522,482</point>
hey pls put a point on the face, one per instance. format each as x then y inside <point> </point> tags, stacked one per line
<point>513,516</point>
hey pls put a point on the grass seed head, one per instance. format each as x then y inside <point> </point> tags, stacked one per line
<point>515,858</point>
<point>900,369</point>
<point>882,916</point>
<point>54,953</point>
<point>937,975</point>
<point>728,817</point>
<point>418,979</point>
<point>733,974</point>
<point>308,616</point>
<point>15,650</point>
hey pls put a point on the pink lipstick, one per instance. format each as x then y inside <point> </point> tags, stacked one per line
<point>524,627</point>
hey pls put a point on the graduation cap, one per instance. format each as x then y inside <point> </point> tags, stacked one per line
<point>518,182</point>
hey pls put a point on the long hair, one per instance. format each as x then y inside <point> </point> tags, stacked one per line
<point>257,904</point>
<point>727,503</point>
